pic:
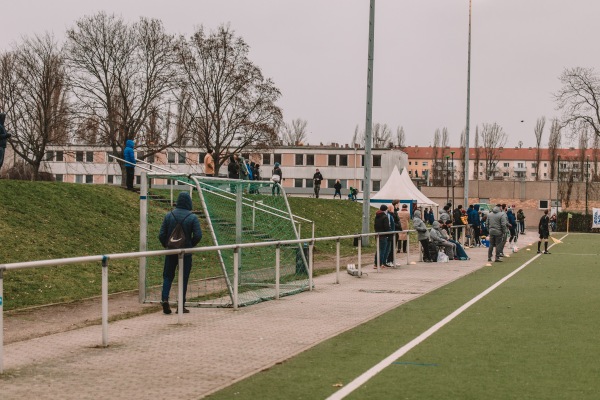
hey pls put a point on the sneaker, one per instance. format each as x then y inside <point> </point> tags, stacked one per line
<point>489,259</point>
<point>501,255</point>
<point>539,252</point>
<point>498,260</point>
<point>166,307</point>
<point>547,252</point>
<point>185,310</point>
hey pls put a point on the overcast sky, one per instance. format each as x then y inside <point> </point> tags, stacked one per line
<point>316,53</point>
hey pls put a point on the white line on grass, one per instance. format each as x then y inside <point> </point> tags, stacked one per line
<point>359,381</point>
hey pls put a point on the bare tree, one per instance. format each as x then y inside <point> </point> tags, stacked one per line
<point>230,99</point>
<point>553,146</point>
<point>38,106</point>
<point>539,130</point>
<point>493,137</point>
<point>595,156</point>
<point>436,168</point>
<point>294,133</point>
<point>581,157</point>
<point>400,137</point>
<point>445,138</point>
<point>477,154</point>
<point>120,74</point>
<point>357,138</point>
<point>579,98</point>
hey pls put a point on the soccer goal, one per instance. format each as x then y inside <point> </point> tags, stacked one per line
<point>231,212</point>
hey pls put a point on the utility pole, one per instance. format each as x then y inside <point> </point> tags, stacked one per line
<point>453,205</point>
<point>466,169</point>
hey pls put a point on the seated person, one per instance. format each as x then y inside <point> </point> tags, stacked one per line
<point>460,253</point>
<point>438,238</point>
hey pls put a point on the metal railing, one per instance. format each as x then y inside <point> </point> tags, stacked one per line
<point>105,258</point>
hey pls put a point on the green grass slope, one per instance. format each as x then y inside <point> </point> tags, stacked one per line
<point>47,220</point>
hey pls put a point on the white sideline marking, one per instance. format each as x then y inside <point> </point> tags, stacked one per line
<point>359,381</point>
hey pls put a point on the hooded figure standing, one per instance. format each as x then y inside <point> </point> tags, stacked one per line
<point>193,233</point>
<point>422,235</point>
<point>4,136</point>
<point>382,224</point>
<point>496,222</point>
<point>130,164</point>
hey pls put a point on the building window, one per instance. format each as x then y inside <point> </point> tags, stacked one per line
<point>376,162</point>
<point>298,182</point>
<point>150,159</point>
<point>58,177</point>
<point>310,159</point>
<point>182,157</point>
<point>266,158</point>
<point>110,178</point>
<point>343,160</point>
<point>138,180</point>
<point>299,161</point>
<point>89,156</point>
<point>424,163</point>
<point>277,158</point>
<point>533,174</point>
<point>309,183</point>
<point>79,156</point>
<point>332,160</point>
<point>506,165</point>
<point>521,165</point>
<point>410,172</point>
<point>545,174</point>
<point>410,163</point>
<point>533,165</point>
<point>78,178</point>
<point>89,179</point>
<point>545,164</point>
<point>110,158</point>
<point>505,174</point>
<point>376,185</point>
<point>49,156</point>
<point>59,156</point>
<point>171,157</point>
<point>330,182</point>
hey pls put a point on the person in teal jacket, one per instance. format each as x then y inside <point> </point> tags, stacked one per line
<point>193,233</point>
<point>130,164</point>
<point>4,136</point>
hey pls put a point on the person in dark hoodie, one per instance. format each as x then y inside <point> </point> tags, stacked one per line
<point>4,136</point>
<point>130,164</point>
<point>382,224</point>
<point>193,233</point>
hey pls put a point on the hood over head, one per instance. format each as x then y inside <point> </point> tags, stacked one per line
<point>435,225</point>
<point>417,213</point>
<point>184,201</point>
<point>496,210</point>
<point>129,143</point>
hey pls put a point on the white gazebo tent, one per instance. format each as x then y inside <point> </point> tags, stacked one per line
<point>400,187</point>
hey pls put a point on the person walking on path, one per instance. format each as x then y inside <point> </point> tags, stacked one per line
<point>209,163</point>
<point>277,178</point>
<point>129,156</point>
<point>521,221</point>
<point>183,215</point>
<point>544,231</point>
<point>4,136</point>
<point>496,221</point>
<point>338,189</point>
<point>422,235</point>
<point>382,224</point>
<point>317,178</point>
<point>404,216</point>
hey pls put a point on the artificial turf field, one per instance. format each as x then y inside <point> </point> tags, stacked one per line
<point>536,336</point>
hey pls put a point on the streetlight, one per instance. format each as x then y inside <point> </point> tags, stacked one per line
<point>447,188</point>
<point>587,174</point>
<point>466,179</point>
<point>557,188</point>
<point>452,178</point>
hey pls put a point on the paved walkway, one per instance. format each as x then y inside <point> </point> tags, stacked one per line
<point>151,356</point>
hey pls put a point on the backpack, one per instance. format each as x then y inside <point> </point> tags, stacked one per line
<point>177,238</point>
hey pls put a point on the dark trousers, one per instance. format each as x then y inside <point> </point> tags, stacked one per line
<point>2,150</point>
<point>495,242</point>
<point>337,193</point>
<point>383,250</point>
<point>477,234</point>
<point>130,174</point>
<point>171,263</point>
<point>425,246</point>
<point>317,190</point>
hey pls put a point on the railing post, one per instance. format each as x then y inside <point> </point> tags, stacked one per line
<point>394,239</point>
<point>377,255</point>
<point>1,321</point>
<point>310,265</point>
<point>105,301</point>
<point>253,214</point>
<point>337,261</point>
<point>360,256</point>
<point>407,248</point>
<point>180,286</point>
<point>236,278</point>
<point>277,270</point>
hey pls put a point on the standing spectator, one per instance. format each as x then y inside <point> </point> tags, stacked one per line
<point>209,163</point>
<point>233,171</point>
<point>426,215</point>
<point>404,216</point>
<point>4,136</point>
<point>249,170</point>
<point>256,172</point>
<point>391,238</point>
<point>496,221</point>
<point>475,222</point>
<point>512,227</point>
<point>544,231</point>
<point>521,221</point>
<point>457,221</point>
<point>431,217</point>
<point>422,235</point>
<point>193,233</point>
<point>506,233</point>
<point>382,224</point>
<point>277,179</point>
<point>130,164</point>
<point>317,178</point>
<point>338,189</point>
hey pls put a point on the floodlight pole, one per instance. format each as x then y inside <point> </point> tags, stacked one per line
<point>447,187</point>
<point>587,174</point>
<point>452,178</point>
<point>466,169</point>
<point>366,221</point>
<point>557,187</point>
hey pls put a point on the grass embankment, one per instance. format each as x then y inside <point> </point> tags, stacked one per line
<point>44,220</point>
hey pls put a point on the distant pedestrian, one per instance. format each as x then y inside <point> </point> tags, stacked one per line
<point>129,156</point>
<point>422,235</point>
<point>209,163</point>
<point>277,178</point>
<point>496,222</point>
<point>404,216</point>
<point>4,136</point>
<point>338,189</point>
<point>512,227</point>
<point>317,179</point>
<point>193,233</point>
<point>382,224</point>
<point>544,231</point>
<point>233,171</point>
<point>521,221</point>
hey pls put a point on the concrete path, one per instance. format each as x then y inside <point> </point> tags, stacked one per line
<point>151,356</point>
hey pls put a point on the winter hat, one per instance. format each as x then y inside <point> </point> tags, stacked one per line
<point>435,225</point>
<point>383,207</point>
<point>277,164</point>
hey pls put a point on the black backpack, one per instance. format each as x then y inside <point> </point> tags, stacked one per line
<point>177,238</point>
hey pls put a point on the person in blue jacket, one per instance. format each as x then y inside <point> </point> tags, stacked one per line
<point>512,227</point>
<point>4,136</point>
<point>130,164</point>
<point>193,233</point>
<point>475,222</point>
